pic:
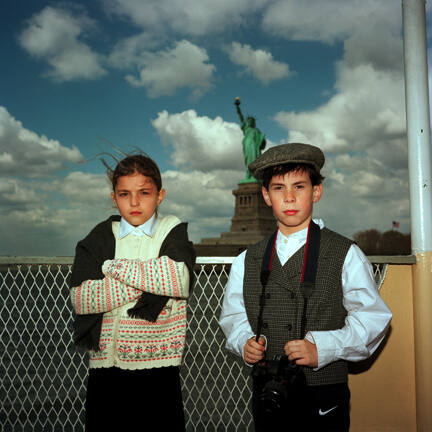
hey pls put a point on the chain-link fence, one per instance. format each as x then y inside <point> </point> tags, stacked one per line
<point>43,377</point>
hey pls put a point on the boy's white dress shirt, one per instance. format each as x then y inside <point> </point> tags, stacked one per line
<point>365,324</point>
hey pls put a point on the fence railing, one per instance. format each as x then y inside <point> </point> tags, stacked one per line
<point>43,377</point>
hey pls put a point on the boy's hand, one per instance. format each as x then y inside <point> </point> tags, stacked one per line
<point>303,352</point>
<point>253,351</point>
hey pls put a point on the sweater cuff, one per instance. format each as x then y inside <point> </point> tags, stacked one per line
<point>105,266</point>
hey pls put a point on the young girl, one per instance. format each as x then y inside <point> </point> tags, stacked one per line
<point>130,280</point>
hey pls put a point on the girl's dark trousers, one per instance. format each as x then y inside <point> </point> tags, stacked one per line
<point>135,399</point>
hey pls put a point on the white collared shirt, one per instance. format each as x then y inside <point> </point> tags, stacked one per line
<point>147,228</point>
<point>365,324</point>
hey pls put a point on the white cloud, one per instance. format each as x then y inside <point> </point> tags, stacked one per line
<point>200,142</point>
<point>362,126</point>
<point>208,154</point>
<point>85,188</point>
<point>304,20</point>
<point>48,212</point>
<point>48,218</point>
<point>370,29</point>
<point>206,193</point>
<point>188,17</point>
<point>54,35</point>
<point>77,192</point>
<point>362,47</point>
<point>203,199</point>
<point>357,201</point>
<point>132,51</point>
<point>362,131</point>
<point>258,63</point>
<point>26,154</point>
<point>16,195</point>
<point>368,109</point>
<point>185,65</point>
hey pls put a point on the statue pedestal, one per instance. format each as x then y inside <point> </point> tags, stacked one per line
<point>251,213</point>
<point>252,221</point>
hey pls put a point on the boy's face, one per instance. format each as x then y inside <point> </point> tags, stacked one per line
<point>292,196</point>
<point>136,197</point>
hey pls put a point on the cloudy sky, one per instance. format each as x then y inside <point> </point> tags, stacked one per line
<point>81,78</point>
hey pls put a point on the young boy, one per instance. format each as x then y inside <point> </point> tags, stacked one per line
<point>344,319</point>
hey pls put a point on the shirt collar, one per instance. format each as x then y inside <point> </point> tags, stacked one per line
<point>147,228</point>
<point>299,235</point>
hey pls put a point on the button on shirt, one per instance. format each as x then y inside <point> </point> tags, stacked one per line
<point>365,324</point>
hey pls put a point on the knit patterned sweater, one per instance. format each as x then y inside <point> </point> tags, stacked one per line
<point>134,343</point>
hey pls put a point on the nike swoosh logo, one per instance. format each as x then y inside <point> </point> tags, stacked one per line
<point>322,413</point>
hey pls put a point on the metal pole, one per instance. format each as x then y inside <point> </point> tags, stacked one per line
<point>418,126</point>
<point>420,177</point>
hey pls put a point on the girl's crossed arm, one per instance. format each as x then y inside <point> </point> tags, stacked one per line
<point>125,281</point>
<point>161,276</point>
<point>103,295</point>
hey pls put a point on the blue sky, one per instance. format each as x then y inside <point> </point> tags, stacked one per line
<point>162,76</point>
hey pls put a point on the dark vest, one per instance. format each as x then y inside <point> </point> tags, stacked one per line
<point>284,302</point>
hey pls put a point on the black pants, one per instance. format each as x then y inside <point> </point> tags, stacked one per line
<point>134,399</point>
<point>315,408</point>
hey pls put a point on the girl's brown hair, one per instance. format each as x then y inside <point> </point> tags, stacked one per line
<point>137,163</point>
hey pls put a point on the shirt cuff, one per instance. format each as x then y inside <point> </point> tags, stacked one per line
<point>325,356</point>
<point>242,342</point>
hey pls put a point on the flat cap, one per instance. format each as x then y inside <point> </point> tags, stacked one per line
<point>287,153</point>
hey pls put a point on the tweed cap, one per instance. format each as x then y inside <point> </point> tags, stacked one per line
<point>287,153</point>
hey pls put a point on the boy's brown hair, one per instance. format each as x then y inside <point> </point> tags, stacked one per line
<point>280,170</point>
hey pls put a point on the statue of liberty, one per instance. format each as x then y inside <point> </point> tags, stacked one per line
<point>253,142</point>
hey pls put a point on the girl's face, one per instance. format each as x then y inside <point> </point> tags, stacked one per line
<point>136,197</point>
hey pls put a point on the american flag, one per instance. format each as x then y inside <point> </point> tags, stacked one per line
<point>395,224</point>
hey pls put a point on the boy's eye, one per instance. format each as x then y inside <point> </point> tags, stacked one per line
<point>144,193</point>
<point>122,194</point>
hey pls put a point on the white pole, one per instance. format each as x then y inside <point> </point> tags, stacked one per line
<point>420,173</point>
<point>418,126</point>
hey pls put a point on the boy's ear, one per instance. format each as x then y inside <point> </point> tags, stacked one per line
<point>161,196</point>
<point>317,192</point>
<point>266,196</point>
<point>113,198</point>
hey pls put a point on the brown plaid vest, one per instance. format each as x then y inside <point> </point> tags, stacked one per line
<point>284,302</point>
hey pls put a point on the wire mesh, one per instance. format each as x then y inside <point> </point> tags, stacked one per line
<point>43,377</point>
